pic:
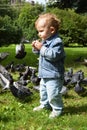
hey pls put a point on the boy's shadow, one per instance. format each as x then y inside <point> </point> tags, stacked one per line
<point>75,109</point>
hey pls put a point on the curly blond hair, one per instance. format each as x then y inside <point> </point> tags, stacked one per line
<point>50,20</point>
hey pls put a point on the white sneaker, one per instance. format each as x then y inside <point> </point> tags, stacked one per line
<point>55,114</point>
<point>38,108</point>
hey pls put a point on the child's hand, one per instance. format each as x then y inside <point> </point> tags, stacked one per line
<point>37,45</point>
<point>33,45</point>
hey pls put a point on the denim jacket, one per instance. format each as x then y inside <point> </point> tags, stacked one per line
<point>51,58</point>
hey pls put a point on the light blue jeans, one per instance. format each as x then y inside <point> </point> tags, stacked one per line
<point>50,93</point>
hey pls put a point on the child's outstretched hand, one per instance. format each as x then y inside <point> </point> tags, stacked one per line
<point>37,45</point>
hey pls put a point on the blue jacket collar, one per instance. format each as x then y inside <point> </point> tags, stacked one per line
<point>49,40</point>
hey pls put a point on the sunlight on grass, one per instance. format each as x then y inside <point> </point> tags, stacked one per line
<point>18,115</point>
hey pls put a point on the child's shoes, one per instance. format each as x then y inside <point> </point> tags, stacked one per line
<point>38,108</point>
<point>55,114</point>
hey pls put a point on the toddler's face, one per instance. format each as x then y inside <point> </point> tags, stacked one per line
<point>44,32</point>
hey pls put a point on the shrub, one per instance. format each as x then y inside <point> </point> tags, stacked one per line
<point>9,32</point>
<point>27,18</point>
<point>73,26</point>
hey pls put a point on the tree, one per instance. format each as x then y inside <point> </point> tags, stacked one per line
<point>62,4</point>
<point>73,28</point>
<point>26,19</point>
<point>4,1</point>
<point>9,30</point>
<point>80,6</point>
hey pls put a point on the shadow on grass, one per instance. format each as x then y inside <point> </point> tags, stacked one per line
<point>4,118</point>
<point>75,109</point>
<point>26,100</point>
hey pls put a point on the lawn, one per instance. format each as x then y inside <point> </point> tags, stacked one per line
<point>18,115</point>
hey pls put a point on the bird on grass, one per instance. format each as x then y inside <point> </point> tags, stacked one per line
<point>8,66</point>
<point>20,51</point>
<point>20,91</point>
<point>34,78</point>
<point>78,76</point>
<point>27,73</point>
<point>78,59</point>
<point>79,89</point>
<point>67,76</point>
<point>3,55</point>
<point>84,62</point>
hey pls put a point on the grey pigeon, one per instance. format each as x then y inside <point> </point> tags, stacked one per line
<point>79,89</point>
<point>20,51</point>
<point>20,91</point>
<point>3,55</point>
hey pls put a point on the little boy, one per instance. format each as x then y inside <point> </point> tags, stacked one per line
<point>51,63</point>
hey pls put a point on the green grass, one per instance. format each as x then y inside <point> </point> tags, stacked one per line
<point>18,115</point>
<point>29,59</point>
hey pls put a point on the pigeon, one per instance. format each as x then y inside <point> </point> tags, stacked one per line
<point>79,89</point>
<point>3,55</point>
<point>78,59</point>
<point>20,91</point>
<point>8,66</point>
<point>68,76</point>
<point>23,82</point>
<point>5,83</point>
<point>24,76</point>
<point>84,81</point>
<point>20,67</point>
<point>84,62</point>
<point>20,51</point>
<point>5,79</point>
<point>34,78</point>
<point>6,74</point>
<point>70,72</point>
<point>78,76</point>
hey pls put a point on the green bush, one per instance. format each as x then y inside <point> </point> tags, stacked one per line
<point>9,32</point>
<point>9,10</point>
<point>15,24</point>
<point>27,19</point>
<point>73,26</point>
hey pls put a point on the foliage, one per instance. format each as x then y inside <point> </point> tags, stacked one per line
<point>18,115</point>
<point>9,32</point>
<point>82,6</point>
<point>9,10</point>
<point>27,18</point>
<point>18,22</point>
<point>4,1</point>
<point>79,6</point>
<point>73,26</point>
